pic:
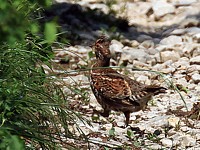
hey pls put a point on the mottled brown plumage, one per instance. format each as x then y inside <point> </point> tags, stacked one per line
<point>115,91</point>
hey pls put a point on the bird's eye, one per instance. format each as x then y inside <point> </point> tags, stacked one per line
<point>98,46</point>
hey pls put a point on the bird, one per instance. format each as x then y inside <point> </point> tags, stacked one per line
<point>115,91</point>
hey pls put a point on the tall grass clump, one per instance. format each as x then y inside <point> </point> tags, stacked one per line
<point>34,111</point>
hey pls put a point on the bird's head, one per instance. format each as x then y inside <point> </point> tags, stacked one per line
<point>101,48</point>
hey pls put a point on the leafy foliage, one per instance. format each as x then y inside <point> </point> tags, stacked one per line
<point>33,108</point>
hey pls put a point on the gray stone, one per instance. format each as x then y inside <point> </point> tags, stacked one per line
<point>193,68</point>
<point>195,60</point>
<point>134,54</point>
<point>173,121</point>
<point>143,37</point>
<point>116,46</point>
<point>193,30</point>
<point>187,140</point>
<point>178,32</point>
<point>162,8</point>
<point>169,55</point>
<point>171,40</point>
<point>155,146</point>
<point>196,78</point>
<point>168,70</point>
<point>166,142</point>
<point>147,44</point>
<point>197,37</point>
<point>196,52</point>
<point>183,2</point>
<point>188,48</point>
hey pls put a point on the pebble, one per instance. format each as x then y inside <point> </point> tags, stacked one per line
<point>173,121</point>
<point>166,142</point>
<point>143,37</point>
<point>162,8</point>
<point>195,60</point>
<point>184,2</point>
<point>196,78</point>
<point>171,40</point>
<point>134,54</point>
<point>197,37</point>
<point>169,55</point>
<point>147,44</point>
<point>116,46</point>
<point>187,140</point>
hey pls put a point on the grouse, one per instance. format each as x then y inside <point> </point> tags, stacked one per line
<point>115,91</point>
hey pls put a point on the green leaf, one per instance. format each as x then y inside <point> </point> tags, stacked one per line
<point>112,131</point>
<point>130,133</point>
<point>91,54</point>
<point>50,32</point>
<point>106,148</point>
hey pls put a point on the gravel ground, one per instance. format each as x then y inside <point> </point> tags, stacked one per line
<point>160,35</point>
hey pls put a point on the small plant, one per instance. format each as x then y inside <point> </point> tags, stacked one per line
<point>133,138</point>
<point>34,112</point>
<point>109,3</point>
<point>112,132</point>
<point>153,137</point>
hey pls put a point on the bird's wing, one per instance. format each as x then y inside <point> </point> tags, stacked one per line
<point>112,86</point>
<point>142,93</point>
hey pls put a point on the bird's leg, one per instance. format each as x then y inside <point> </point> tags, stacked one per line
<point>127,115</point>
<point>105,113</point>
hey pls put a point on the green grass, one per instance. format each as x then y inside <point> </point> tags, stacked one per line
<point>33,107</point>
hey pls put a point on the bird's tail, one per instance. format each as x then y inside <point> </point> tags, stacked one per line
<point>155,89</point>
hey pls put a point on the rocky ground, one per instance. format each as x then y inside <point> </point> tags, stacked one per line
<point>160,35</point>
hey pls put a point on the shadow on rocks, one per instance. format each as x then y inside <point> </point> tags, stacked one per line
<point>81,25</point>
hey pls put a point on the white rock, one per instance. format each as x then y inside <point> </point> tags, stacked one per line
<point>193,68</point>
<point>158,121</point>
<point>169,55</point>
<point>82,49</point>
<point>193,30</point>
<point>143,79</point>
<point>197,37</point>
<point>171,40</point>
<point>196,78</point>
<point>166,142</point>
<point>183,2</point>
<point>195,60</point>
<point>187,140</point>
<point>168,70</point>
<point>183,61</point>
<point>197,88</point>
<point>162,8</point>
<point>161,48</point>
<point>154,146</point>
<point>173,121</point>
<point>134,54</point>
<point>103,7</point>
<point>120,124</point>
<point>134,43</point>
<point>196,52</point>
<point>116,46</point>
<point>178,32</point>
<point>82,63</point>
<point>120,131</point>
<point>147,44</point>
<point>107,127</point>
<point>188,48</point>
